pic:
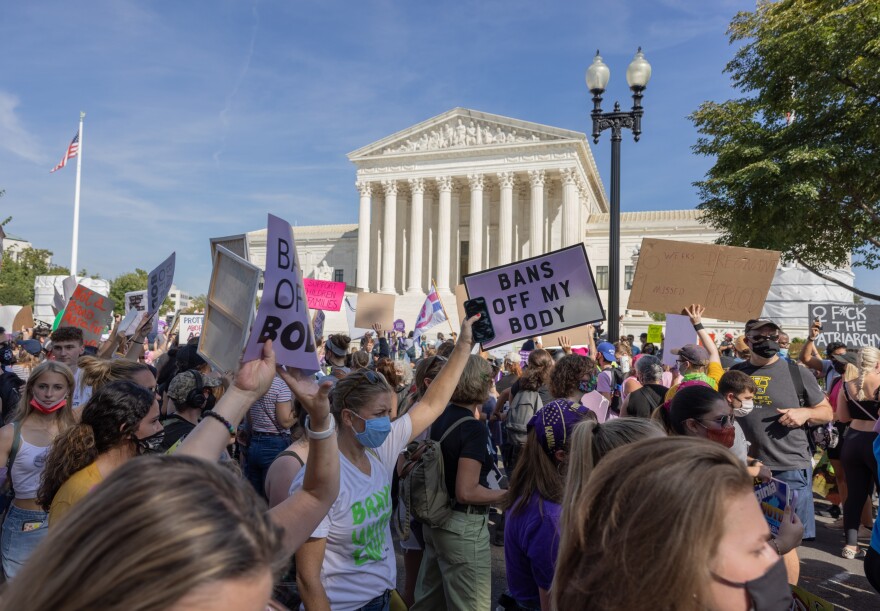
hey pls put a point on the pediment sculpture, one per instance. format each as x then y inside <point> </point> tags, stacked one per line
<point>455,134</point>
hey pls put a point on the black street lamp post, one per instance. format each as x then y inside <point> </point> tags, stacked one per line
<point>637,76</point>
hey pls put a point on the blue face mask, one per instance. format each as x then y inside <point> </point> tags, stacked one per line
<point>375,432</point>
<point>783,353</point>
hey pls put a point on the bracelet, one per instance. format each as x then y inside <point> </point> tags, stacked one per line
<point>319,435</point>
<point>776,547</point>
<point>212,414</point>
<point>698,326</point>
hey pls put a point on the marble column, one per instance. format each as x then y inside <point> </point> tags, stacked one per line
<point>570,221</point>
<point>430,238</point>
<point>505,218</point>
<point>536,218</point>
<point>444,232</point>
<point>417,186</point>
<point>475,254</point>
<point>389,235</point>
<point>455,262</point>
<point>363,258</point>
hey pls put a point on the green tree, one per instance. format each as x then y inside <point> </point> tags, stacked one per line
<point>17,275</point>
<point>657,316</point>
<point>134,281</point>
<point>796,158</point>
<point>196,305</point>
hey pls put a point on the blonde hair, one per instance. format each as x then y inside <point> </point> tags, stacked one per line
<point>64,416</point>
<point>866,361</point>
<point>155,530</point>
<point>99,372</point>
<point>664,494</point>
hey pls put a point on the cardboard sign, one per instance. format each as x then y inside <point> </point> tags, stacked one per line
<point>578,336</point>
<point>773,496</point>
<point>679,331</point>
<point>89,311</point>
<point>538,296</point>
<point>24,318</point>
<point>283,316</point>
<point>324,294</point>
<point>136,300</point>
<point>655,334</point>
<point>375,308</point>
<point>847,323</point>
<point>7,316</point>
<point>229,310</point>
<point>731,282</point>
<point>318,323</point>
<point>159,283</point>
<point>190,326</point>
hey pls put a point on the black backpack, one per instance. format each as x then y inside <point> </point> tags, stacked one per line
<point>10,393</point>
<point>617,379</point>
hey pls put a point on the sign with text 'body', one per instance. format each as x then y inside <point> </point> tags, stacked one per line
<point>89,311</point>
<point>850,324</point>
<point>541,295</point>
<point>324,294</point>
<point>731,282</point>
<point>283,316</point>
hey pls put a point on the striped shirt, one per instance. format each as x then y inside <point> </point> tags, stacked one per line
<point>262,413</point>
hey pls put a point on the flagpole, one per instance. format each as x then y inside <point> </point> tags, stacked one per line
<point>442,307</point>
<point>79,156</point>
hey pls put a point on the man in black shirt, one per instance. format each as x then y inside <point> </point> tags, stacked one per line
<point>641,403</point>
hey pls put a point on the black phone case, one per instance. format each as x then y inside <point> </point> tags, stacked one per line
<point>483,330</point>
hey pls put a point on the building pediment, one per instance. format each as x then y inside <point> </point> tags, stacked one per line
<point>462,128</point>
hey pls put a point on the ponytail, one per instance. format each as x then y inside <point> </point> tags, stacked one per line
<point>99,372</point>
<point>72,450</point>
<point>866,361</point>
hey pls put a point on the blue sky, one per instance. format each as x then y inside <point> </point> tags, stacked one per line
<point>203,116</point>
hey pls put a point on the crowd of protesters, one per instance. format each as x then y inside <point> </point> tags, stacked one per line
<point>136,477</point>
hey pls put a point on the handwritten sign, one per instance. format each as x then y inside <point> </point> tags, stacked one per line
<point>136,300</point>
<point>324,294</point>
<point>190,326</point>
<point>283,316</point>
<point>318,323</point>
<point>375,308</point>
<point>537,296</point>
<point>847,323</point>
<point>655,334</point>
<point>731,282</point>
<point>89,311</point>
<point>159,284</point>
<point>679,332</point>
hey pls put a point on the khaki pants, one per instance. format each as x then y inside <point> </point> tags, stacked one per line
<point>456,569</point>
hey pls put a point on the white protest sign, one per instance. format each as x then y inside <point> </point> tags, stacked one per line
<point>596,403</point>
<point>190,326</point>
<point>350,306</point>
<point>679,331</point>
<point>132,320</point>
<point>136,300</point>
<point>283,316</point>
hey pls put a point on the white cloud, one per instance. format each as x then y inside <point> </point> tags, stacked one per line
<point>13,135</point>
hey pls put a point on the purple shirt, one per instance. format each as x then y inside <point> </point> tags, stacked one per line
<point>531,541</point>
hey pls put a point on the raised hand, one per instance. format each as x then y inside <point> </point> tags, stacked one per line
<point>314,398</point>
<point>695,313</point>
<point>564,343</point>
<point>256,376</point>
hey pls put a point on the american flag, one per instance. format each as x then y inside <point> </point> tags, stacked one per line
<point>72,152</point>
<point>431,314</point>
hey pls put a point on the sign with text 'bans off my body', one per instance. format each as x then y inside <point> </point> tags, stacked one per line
<point>89,311</point>
<point>283,316</point>
<point>537,296</point>
<point>324,294</point>
<point>731,282</point>
<point>850,324</point>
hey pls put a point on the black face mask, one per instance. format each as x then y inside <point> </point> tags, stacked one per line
<point>769,592</point>
<point>839,367</point>
<point>151,444</point>
<point>765,349</point>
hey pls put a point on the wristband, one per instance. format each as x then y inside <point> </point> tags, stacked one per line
<point>319,435</point>
<point>698,326</point>
<point>212,414</point>
<point>776,546</point>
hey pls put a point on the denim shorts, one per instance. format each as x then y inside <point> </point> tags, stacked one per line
<point>23,529</point>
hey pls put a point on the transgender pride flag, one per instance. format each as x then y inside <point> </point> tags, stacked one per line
<point>430,315</point>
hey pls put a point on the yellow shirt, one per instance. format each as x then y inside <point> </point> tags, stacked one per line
<point>73,491</point>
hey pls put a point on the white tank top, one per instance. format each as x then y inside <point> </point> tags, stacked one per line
<point>28,469</point>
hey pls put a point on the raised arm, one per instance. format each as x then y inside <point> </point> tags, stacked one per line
<point>809,355</point>
<point>300,514</point>
<point>591,341</point>
<point>695,313</point>
<point>136,350</point>
<point>437,397</point>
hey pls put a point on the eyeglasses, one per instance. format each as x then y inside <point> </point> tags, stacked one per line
<point>724,421</point>
<point>761,338</point>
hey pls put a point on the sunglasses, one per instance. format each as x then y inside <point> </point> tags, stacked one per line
<point>761,338</point>
<point>370,376</point>
<point>724,421</point>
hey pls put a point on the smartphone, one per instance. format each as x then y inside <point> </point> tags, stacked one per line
<point>483,330</point>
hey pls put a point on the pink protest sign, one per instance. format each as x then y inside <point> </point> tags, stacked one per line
<point>283,316</point>
<point>324,294</point>
<point>537,296</point>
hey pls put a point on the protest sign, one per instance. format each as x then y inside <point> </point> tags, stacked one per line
<point>68,285</point>
<point>283,316</point>
<point>460,297</point>
<point>129,324</point>
<point>773,496</point>
<point>24,318</point>
<point>596,403</point>
<point>190,326</point>
<point>537,296</point>
<point>229,309</point>
<point>578,336</point>
<point>159,284</point>
<point>350,305</point>
<point>236,244</point>
<point>655,334</point>
<point>7,316</point>
<point>318,323</point>
<point>806,600</point>
<point>324,294</point>
<point>89,311</point>
<point>850,324</point>
<point>375,308</point>
<point>136,300</point>
<point>679,331</point>
<point>731,282</point>
<point>399,325</point>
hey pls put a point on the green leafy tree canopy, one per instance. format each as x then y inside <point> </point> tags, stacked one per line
<point>796,159</point>
<point>18,274</point>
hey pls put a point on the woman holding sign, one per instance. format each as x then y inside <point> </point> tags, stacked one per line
<point>349,563</point>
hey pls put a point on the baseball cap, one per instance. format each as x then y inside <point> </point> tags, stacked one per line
<point>31,346</point>
<point>184,383</point>
<point>606,349</point>
<point>728,336</point>
<point>757,323</point>
<point>554,423</point>
<point>693,353</point>
<point>740,344</point>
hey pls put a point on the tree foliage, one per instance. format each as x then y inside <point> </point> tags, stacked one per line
<point>196,305</point>
<point>17,275</point>
<point>134,281</point>
<point>796,158</point>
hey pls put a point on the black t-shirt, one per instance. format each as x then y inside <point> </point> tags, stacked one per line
<point>470,439</point>
<point>507,381</point>
<point>642,402</point>
<point>176,429</point>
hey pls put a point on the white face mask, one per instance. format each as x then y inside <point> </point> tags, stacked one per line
<point>745,408</point>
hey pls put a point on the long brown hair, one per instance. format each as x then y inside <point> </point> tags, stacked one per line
<point>98,372</point>
<point>537,374</point>
<point>535,473</point>
<point>657,496</point>
<point>63,417</point>
<point>156,530</point>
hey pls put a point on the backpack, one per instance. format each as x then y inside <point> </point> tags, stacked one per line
<point>7,493</point>
<point>423,482</point>
<point>616,387</point>
<point>10,393</point>
<point>522,408</point>
<point>411,352</point>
